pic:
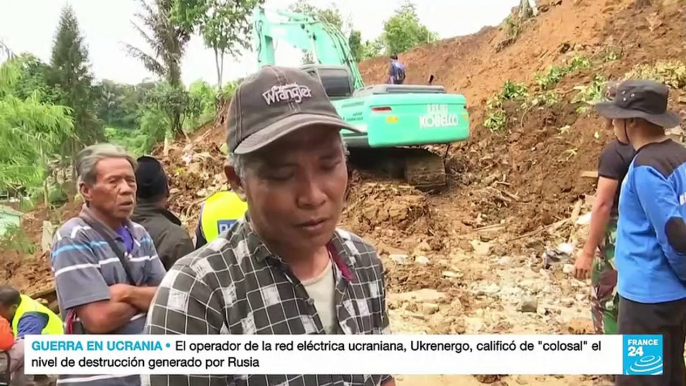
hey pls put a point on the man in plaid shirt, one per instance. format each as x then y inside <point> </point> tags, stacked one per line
<point>284,268</point>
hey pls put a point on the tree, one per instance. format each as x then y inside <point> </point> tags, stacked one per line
<point>372,49</point>
<point>403,31</point>
<point>117,104</point>
<point>166,40</point>
<point>33,77</point>
<point>168,43</point>
<point>31,132</point>
<point>224,26</point>
<point>70,74</point>
<point>331,15</point>
<point>355,43</point>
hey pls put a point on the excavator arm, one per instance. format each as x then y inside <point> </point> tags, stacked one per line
<point>325,42</point>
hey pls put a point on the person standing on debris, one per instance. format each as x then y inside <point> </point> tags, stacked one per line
<point>25,317</point>
<point>651,232</point>
<point>172,242</point>
<point>218,213</point>
<point>284,268</point>
<point>106,267</point>
<point>612,167</point>
<point>396,71</point>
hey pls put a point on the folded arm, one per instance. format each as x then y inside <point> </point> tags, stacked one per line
<point>82,287</point>
<point>138,297</point>
<point>105,316</point>
<point>660,201</point>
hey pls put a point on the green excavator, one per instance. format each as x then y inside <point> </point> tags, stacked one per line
<point>396,119</point>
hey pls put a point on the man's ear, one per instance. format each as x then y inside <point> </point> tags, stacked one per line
<point>234,181</point>
<point>85,192</point>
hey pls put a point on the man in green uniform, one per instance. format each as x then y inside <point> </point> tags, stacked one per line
<point>612,167</point>
<point>26,317</point>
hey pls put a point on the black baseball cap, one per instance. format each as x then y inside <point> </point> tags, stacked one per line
<point>274,102</point>
<point>645,99</point>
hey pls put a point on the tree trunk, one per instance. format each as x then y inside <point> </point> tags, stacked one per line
<point>46,190</point>
<point>219,64</point>
<point>74,177</point>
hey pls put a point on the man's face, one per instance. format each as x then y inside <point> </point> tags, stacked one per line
<point>620,133</point>
<point>296,188</point>
<point>114,190</point>
<point>7,312</point>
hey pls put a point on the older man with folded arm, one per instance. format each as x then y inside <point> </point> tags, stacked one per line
<point>105,266</point>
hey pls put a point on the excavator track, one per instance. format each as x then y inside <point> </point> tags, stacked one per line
<point>419,167</point>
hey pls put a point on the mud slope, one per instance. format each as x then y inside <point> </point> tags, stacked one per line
<point>528,174</point>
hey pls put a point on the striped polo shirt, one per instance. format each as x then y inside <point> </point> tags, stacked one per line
<point>85,266</point>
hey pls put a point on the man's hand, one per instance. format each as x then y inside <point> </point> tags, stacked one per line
<point>582,265</point>
<point>121,293</point>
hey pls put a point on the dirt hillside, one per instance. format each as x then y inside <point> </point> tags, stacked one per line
<point>538,156</point>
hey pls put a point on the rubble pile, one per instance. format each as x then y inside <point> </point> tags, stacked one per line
<point>196,170</point>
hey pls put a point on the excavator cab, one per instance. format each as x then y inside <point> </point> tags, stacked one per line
<point>337,80</point>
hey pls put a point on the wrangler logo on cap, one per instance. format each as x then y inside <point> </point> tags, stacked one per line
<point>287,93</point>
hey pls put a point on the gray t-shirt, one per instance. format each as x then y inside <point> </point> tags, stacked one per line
<point>85,266</point>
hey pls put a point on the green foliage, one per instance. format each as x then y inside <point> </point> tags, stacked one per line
<point>165,39</point>
<point>33,78</point>
<point>117,104</point>
<point>555,74</point>
<point>512,27</point>
<point>31,132</point>
<point>355,43</point>
<point>224,25</point>
<point>154,125</point>
<point>14,239</point>
<point>372,49</point>
<point>403,31</point>
<point>230,88</point>
<point>71,75</point>
<point>669,72</point>
<point>590,94</point>
<point>135,141</point>
<point>496,117</point>
<point>204,98</point>
<point>330,15</point>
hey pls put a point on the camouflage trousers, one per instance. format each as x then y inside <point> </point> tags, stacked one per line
<point>604,298</point>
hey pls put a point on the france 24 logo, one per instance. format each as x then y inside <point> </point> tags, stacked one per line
<point>643,355</point>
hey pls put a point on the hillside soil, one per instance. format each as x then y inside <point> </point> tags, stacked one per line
<point>470,259</point>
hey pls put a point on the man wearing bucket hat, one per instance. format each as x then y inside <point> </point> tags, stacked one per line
<point>651,234</point>
<point>283,268</point>
<point>597,255</point>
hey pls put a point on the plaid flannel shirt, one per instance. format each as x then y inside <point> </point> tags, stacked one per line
<point>235,285</point>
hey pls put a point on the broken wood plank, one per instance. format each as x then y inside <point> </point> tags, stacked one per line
<point>589,174</point>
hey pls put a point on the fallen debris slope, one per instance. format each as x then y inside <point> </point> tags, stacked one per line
<point>527,172</point>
